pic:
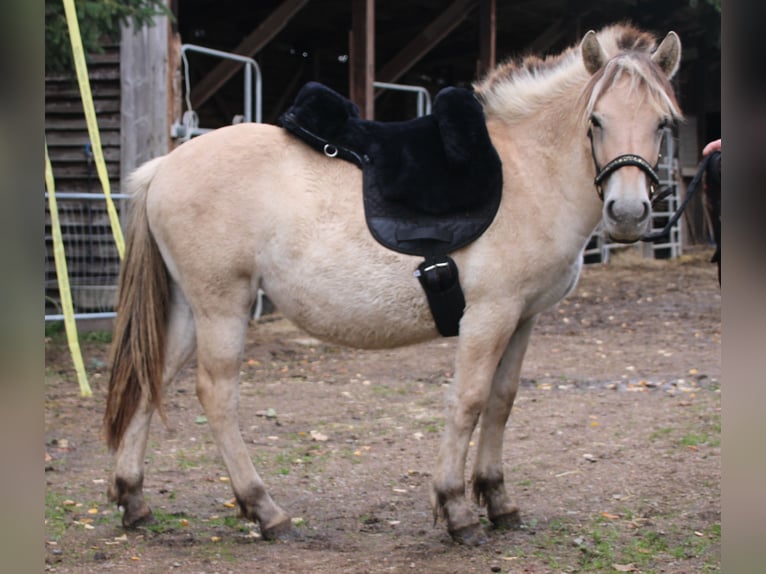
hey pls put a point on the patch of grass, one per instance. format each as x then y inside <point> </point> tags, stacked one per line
<point>166,521</point>
<point>432,426</point>
<point>97,336</point>
<point>186,460</point>
<point>284,468</point>
<point>693,439</point>
<point>350,454</point>
<point>644,549</point>
<point>660,433</point>
<point>230,521</point>
<point>55,330</point>
<point>600,553</point>
<point>56,516</point>
<point>382,391</point>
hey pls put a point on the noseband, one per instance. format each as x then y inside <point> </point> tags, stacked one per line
<point>602,173</point>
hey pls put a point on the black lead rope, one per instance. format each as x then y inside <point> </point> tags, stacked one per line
<point>701,169</point>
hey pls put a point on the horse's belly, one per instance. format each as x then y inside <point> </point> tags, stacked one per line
<point>357,312</point>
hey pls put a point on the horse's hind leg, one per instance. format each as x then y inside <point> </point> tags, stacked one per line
<point>220,342</point>
<point>488,480</point>
<point>126,487</point>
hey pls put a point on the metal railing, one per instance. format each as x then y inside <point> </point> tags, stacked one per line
<point>424,98</point>
<point>189,124</point>
<point>92,257</point>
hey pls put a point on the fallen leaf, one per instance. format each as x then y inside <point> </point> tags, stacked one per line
<point>610,516</point>
<point>215,539</point>
<point>201,420</point>
<point>625,567</point>
<point>318,436</point>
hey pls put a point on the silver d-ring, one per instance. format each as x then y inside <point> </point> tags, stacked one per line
<point>330,150</point>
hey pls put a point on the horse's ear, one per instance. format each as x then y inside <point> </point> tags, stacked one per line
<point>668,54</point>
<point>593,55</point>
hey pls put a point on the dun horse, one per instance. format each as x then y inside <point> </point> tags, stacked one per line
<point>249,207</point>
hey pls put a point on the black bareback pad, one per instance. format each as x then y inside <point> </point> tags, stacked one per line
<point>431,185</point>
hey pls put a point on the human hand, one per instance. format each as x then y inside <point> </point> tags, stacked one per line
<point>712,146</point>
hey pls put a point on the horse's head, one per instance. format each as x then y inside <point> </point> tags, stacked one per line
<point>630,101</point>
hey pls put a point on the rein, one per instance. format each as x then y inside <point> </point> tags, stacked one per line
<point>701,169</point>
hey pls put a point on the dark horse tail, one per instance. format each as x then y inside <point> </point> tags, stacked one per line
<point>138,340</point>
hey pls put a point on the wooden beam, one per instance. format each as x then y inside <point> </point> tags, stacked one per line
<point>431,35</point>
<point>362,57</point>
<point>250,46</point>
<point>487,36</point>
<point>144,95</point>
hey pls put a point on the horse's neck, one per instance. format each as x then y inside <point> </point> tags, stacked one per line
<point>555,175</point>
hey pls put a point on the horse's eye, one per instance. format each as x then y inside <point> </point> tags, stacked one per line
<point>664,123</point>
<point>595,122</point>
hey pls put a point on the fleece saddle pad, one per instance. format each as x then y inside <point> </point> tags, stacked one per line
<point>431,185</point>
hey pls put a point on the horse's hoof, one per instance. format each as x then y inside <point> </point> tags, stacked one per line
<point>508,521</point>
<point>132,520</point>
<point>282,532</point>
<point>472,535</point>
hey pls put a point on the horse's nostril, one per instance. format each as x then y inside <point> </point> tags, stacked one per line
<point>619,212</point>
<point>610,209</point>
<point>647,210</point>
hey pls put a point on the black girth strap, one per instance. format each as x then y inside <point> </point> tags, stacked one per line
<point>439,278</point>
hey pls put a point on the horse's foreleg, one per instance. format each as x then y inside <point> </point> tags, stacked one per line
<point>126,486</point>
<point>488,480</point>
<point>220,343</point>
<point>477,358</point>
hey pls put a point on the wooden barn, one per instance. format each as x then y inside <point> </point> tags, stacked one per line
<point>156,86</point>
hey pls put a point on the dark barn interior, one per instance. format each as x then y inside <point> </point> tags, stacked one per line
<point>425,43</point>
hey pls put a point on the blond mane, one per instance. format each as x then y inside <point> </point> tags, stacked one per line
<point>517,89</point>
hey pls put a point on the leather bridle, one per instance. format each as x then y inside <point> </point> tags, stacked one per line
<point>602,173</point>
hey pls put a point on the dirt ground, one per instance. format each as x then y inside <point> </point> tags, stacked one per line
<point>612,452</point>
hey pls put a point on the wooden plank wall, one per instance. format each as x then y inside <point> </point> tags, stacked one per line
<point>91,256</point>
